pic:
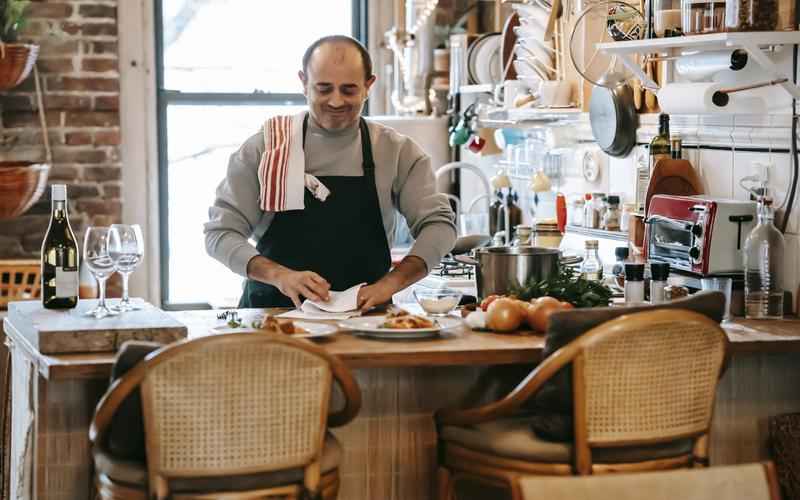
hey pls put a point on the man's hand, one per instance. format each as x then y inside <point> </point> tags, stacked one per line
<point>291,283</point>
<point>309,284</point>
<point>375,294</point>
<point>410,270</point>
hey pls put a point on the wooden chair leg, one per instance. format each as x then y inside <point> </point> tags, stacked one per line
<point>444,482</point>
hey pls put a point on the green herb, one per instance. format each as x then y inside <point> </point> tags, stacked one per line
<point>234,322</point>
<point>568,286</point>
<point>13,18</point>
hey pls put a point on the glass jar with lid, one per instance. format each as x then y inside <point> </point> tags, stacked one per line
<point>751,15</point>
<point>703,16</point>
<point>666,18</point>
<point>546,234</point>
<point>575,212</point>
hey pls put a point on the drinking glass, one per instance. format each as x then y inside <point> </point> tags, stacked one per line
<point>100,246</point>
<point>723,285</point>
<point>131,251</point>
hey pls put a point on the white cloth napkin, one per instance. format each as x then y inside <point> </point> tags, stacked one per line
<point>340,305</point>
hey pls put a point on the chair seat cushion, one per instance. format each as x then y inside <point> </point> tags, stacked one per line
<point>134,473</point>
<point>514,438</point>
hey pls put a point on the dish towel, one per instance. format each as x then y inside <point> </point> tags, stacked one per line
<point>340,305</point>
<point>281,173</point>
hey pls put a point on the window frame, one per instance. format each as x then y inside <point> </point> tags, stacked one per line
<point>166,98</point>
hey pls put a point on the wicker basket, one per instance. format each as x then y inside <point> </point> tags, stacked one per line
<point>21,185</point>
<point>19,280</point>
<point>16,62</point>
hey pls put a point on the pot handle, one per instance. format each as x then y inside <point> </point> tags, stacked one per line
<point>465,260</point>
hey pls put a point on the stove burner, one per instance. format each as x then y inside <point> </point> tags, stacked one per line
<point>450,268</point>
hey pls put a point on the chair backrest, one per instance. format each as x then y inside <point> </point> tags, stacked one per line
<point>647,377</point>
<point>735,482</point>
<point>235,404</point>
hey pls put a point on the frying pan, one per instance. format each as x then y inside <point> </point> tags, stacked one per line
<point>612,116</point>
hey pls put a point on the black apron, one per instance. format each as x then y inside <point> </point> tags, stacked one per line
<point>342,239</point>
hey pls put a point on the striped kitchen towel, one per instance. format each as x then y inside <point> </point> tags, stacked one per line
<point>282,174</point>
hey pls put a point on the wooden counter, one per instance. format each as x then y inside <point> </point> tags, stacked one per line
<point>390,447</point>
<point>458,347</point>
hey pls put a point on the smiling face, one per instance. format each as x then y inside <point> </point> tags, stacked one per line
<point>335,85</point>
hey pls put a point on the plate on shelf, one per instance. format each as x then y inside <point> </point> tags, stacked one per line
<point>370,326</point>
<point>315,330</point>
<point>488,60</point>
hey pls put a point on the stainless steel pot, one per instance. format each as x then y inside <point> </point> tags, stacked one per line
<point>498,269</point>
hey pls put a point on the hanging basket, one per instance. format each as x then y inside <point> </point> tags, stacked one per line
<point>16,63</point>
<point>21,185</point>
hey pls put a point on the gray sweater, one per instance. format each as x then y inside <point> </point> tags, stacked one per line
<point>403,176</point>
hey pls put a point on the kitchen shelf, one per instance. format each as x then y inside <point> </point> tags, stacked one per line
<point>476,89</point>
<point>598,233</point>
<point>751,41</point>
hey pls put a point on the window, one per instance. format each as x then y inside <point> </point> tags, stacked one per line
<point>225,66</point>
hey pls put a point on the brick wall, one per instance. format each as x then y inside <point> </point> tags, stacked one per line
<point>80,82</point>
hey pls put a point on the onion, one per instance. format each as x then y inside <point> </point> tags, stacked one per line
<point>504,315</point>
<point>485,303</point>
<point>540,310</point>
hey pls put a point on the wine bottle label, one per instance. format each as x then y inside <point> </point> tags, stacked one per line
<point>66,282</point>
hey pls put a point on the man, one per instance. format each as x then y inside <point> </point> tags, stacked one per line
<point>330,225</point>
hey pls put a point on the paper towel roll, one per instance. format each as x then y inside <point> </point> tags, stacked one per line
<point>696,99</point>
<point>698,67</point>
<point>689,98</point>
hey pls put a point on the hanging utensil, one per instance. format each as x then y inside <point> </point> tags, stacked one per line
<point>555,14</point>
<point>720,97</point>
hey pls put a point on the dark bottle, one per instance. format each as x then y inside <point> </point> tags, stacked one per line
<point>660,146</point>
<point>495,213</point>
<point>59,256</point>
<point>618,270</point>
<point>514,213</point>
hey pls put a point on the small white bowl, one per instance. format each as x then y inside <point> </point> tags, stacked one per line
<point>438,302</point>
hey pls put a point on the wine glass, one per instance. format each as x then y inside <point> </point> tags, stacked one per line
<point>130,254</point>
<point>100,246</point>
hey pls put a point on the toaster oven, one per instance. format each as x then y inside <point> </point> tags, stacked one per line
<point>698,234</point>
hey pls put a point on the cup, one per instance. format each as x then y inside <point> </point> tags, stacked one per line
<point>508,92</point>
<point>723,285</point>
<point>555,93</point>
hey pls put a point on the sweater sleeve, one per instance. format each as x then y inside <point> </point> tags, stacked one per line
<point>236,212</point>
<point>428,213</point>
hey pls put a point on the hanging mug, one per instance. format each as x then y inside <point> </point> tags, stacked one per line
<point>460,134</point>
<point>476,144</point>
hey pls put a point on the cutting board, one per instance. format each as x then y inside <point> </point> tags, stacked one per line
<point>675,177</point>
<point>70,331</point>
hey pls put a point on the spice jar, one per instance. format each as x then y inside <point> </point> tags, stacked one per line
<point>611,215</point>
<point>751,15</point>
<point>703,16</point>
<point>628,209</point>
<point>634,283</point>
<point>666,18</point>
<point>576,208</point>
<point>547,235</point>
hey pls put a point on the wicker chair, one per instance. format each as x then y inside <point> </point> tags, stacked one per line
<point>229,417</point>
<point>643,393</point>
<point>733,482</point>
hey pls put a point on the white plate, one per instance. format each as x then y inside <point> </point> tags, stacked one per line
<point>488,63</point>
<point>314,330</point>
<point>371,326</point>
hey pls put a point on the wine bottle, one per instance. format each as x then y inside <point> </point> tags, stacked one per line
<point>59,256</point>
<point>660,146</point>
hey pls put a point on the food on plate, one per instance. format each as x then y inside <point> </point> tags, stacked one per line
<point>407,322</point>
<point>396,312</point>
<point>540,310</point>
<point>286,326</point>
<point>504,315</point>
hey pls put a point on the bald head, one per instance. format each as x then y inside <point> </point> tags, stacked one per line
<point>336,77</point>
<point>338,46</point>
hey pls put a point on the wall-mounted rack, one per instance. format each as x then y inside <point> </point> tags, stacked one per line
<point>752,42</point>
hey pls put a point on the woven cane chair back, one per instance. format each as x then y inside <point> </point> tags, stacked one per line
<point>650,377</point>
<point>242,406</point>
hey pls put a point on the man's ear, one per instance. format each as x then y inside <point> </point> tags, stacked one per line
<point>304,81</point>
<point>370,81</point>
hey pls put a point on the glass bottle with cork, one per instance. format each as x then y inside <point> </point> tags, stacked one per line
<point>763,262</point>
<point>592,267</point>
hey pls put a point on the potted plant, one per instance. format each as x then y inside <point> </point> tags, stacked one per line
<point>16,59</point>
